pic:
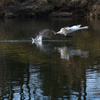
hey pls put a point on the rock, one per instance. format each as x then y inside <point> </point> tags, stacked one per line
<point>60,14</point>
<point>43,10</point>
<point>95,11</point>
<point>2,14</point>
<point>8,15</point>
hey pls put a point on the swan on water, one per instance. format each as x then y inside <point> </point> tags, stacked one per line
<point>66,30</point>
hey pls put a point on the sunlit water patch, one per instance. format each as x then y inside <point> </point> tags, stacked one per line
<point>93,83</point>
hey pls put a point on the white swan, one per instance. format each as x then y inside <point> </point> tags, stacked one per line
<point>66,30</point>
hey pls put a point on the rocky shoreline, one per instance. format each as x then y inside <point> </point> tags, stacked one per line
<point>49,8</point>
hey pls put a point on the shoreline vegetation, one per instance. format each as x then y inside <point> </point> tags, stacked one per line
<point>49,8</point>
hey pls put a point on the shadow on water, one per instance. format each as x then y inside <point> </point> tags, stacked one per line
<point>52,69</point>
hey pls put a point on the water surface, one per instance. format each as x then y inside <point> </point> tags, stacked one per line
<point>52,70</point>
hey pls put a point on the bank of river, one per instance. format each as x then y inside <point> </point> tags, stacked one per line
<point>49,8</point>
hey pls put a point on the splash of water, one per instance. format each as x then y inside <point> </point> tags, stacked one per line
<point>43,34</point>
<point>37,39</point>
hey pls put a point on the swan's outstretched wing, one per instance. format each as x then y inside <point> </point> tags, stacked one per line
<point>73,27</point>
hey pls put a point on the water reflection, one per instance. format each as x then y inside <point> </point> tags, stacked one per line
<point>49,78</point>
<point>66,52</point>
<point>93,82</point>
<point>33,90</point>
<point>52,70</point>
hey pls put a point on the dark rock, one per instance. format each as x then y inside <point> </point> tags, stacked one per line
<point>2,14</point>
<point>60,14</point>
<point>8,15</point>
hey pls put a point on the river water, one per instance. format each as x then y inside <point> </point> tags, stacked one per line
<point>51,70</point>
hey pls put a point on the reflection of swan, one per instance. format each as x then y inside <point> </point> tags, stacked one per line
<point>66,53</point>
<point>66,30</point>
<point>79,52</point>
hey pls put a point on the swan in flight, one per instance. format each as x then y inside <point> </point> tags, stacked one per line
<point>66,30</point>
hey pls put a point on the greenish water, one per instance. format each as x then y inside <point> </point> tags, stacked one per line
<point>52,70</point>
